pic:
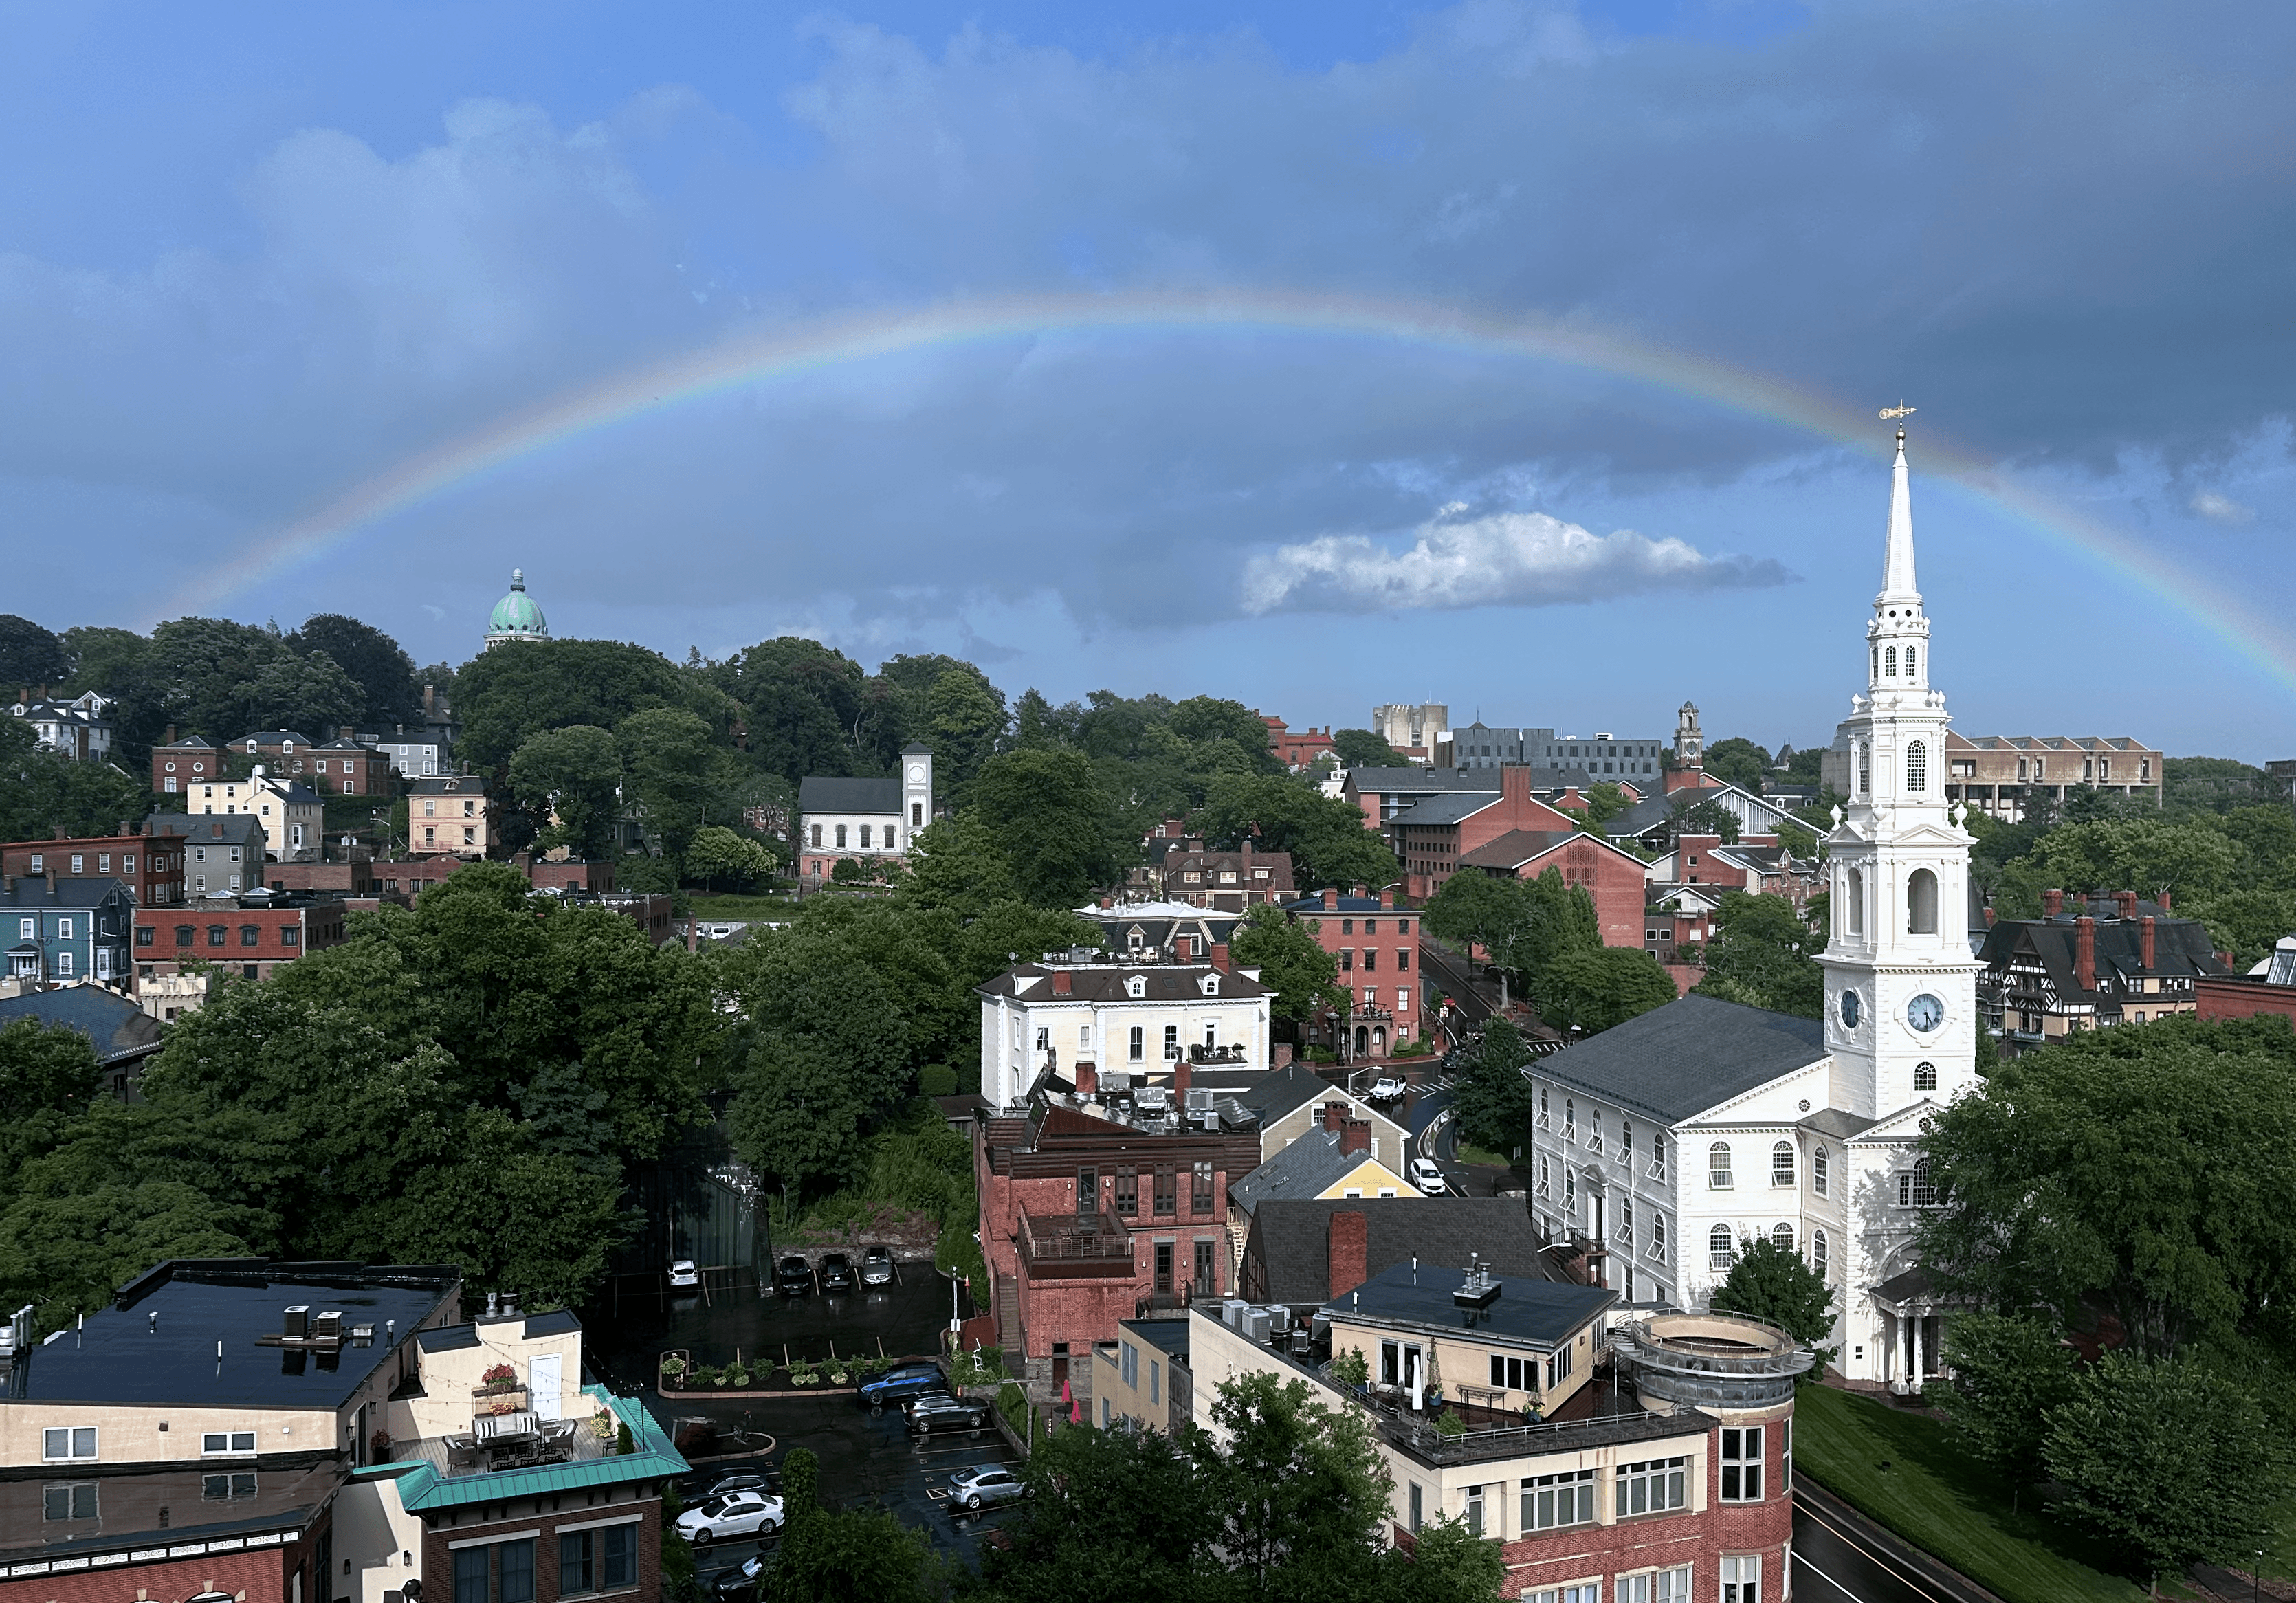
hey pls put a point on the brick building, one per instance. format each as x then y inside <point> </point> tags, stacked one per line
<point>1612,877</point>
<point>1382,793</point>
<point>1296,749</point>
<point>2104,961</point>
<point>343,766</point>
<point>1229,882</point>
<point>179,763</point>
<point>1375,943</point>
<point>1433,835</point>
<point>2269,987</point>
<point>248,935</point>
<point>151,867</point>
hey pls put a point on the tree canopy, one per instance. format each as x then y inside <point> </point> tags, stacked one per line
<point>1764,955</point>
<point>1304,976</point>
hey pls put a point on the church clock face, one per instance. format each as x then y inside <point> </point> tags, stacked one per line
<point>916,774</point>
<point>1925,1013</point>
<point>1849,1010</point>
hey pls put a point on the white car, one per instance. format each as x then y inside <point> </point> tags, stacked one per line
<point>1385,1088</point>
<point>1427,1175</point>
<point>735,1514</point>
<point>684,1276</point>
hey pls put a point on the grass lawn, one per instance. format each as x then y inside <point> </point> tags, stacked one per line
<point>708,907</point>
<point>1942,1501</point>
<point>1469,1153</point>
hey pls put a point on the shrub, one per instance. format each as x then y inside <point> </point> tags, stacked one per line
<point>1449,1424</point>
<point>1351,1369</point>
<point>624,1443</point>
<point>674,1368</point>
<point>937,1080</point>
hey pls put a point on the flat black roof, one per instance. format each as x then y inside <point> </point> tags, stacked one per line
<point>448,1339</point>
<point>125,1356</point>
<point>1167,1336</point>
<point>1541,1313</point>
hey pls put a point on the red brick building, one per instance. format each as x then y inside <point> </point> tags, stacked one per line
<point>1609,874</point>
<point>150,866</point>
<point>343,766</point>
<point>1094,1206</point>
<point>1296,748</point>
<point>178,765</point>
<point>353,877</point>
<point>1433,835</point>
<point>1375,943</point>
<point>1229,882</point>
<point>246,935</point>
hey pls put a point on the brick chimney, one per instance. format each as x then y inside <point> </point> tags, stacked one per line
<point>2125,901</point>
<point>1515,782</point>
<point>1064,983</point>
<point>170,740</point>
<point>1330,898</point>
<point>2053,903</point>
<point>2145,947</point>
<point>1087,1077</point>
<point>429,701</point>
<point>343,732</point>
<point>1347,1249</point>
<point>1182,1075</point>
<point>1355,1136</point>
<point>2085,951</point>
<point>1219,956</point>
<point>1335,1114</point>
<point>2165,904</point>
<point>1106,903</point>
<point>1386,897</point>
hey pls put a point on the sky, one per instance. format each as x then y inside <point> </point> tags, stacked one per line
<point>1521,358</point>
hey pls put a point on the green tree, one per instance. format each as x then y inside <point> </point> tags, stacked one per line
<point>226,679</point>
<point>1764,955</point>
<point>1594,987</point>
<point>1739,761</point>
<point>2169,1462</point>
<point>1048,817</point>
<point>2216,785</point>
<point>504,697</point>
<point>964,720</point>
<point>574,775</point>
<point>667,765</point>
<point>1767,1281</point>
<point>1304,976</point>
<point>1693,814</point>
<point>375,662</point>
<point>1326,838</point>
<point>2009,1371</point>
<point>47,1074</point>
<point>717,855</point>
<point>1361,748</point>
<point>1302,1490</point>
<point>1113,1516</point>
<point>956,864</point>
<point>1448,1563</point>
<point>30,656</point>
<point>1493,1101</point>
<point>45,794</point>
<point>802,703</point>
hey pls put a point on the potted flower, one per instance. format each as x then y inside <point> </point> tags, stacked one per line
<point>501,1377</point>
<point>379,1446</point>
<point>674,1366</point>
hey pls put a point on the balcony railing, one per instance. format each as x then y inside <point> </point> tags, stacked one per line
<point>1219,1055</point>
<point>1075,1246</point>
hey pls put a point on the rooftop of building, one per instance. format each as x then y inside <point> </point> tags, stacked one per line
<point>1092,975</point>
<point>1691,1054</point>
<point>191,1332</point>
<point>45,890</point>
<point>438,1473</point>
<point>1310,1165</point>
<point>118,1028</point>
<point>1539,1312</point>
<point>1291,1239</point>
<point>1169,1337</point>
<point>207,829</point>
<point>234,1506</point>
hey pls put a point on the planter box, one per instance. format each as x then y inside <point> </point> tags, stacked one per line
<point>507,1402</point>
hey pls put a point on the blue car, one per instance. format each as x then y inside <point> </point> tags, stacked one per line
<point>903,1381</point>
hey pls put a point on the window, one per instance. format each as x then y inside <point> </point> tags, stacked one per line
<point>250,935</point>
<point>1588,1591</point>
<point>217,1442</point>
<point>1718,1248</point>
<point>1918,766</point>
<point>1913,659</point>
<point>1370,926</point>
<point>289,936</point>
<point>917,815</point>
<point>1782,1234</point>
<point>1890,662</point>
<point>1658,1157</point>
<point>1742,1578</point>
<point>1543,1120</point>
<point>1820,1162</point>
<point>1512,1374</point>
<point>1155,1383</point>
<point>1782,1164</point>
<point>1626,1140</point>
<point>840,837</point>
<point>144,935</point>
<point>1200,1188</point>
<point>218,935</point>
<point>1594,1130</point>
<point>1569,1189</point>
<point>1348,958</point>
<point>184,935</point>
<point>1925,1074</point>
<point>1138,1049</point>
<point>1403,957</point>
<point>1168,1189</point>
<point>1558,1368</point>
<point>1570,1119</point>
<point>1742,1464</point>
<point>225,1488</point>
<point>64,964</point>
<point>1172,1043</point>
<point>1865,769</point>
<point>599,1560</point>
<point>1136,988</point>
<point>70,1442</point>
<point>1654,1586</point>
<point>1917,1190</point>
<point>1922,901</point>
<point>64,929</point>
<point>816,834</point>
<point>1542,1174</point>
<point>27,929</point>
<point>1129,1364</point>
<point>471,1575</point>
<point>1652,1487</point>
<point>1627,1222</point>
<point>1657,1254</point>
<point>69,1501</point>
<point>1127,1190</point>
<point>1370,959</point>
<point>1718,1166</point>
<point>1817,1252</point>
<point>1403,927</point>
<point>1549,1501</point>
<point>79,863</point>
<point>1417,1515</point>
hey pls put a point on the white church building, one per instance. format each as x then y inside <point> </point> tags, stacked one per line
<point>1661,1144</point>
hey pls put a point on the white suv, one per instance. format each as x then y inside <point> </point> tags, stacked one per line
<point>1427,1175</point>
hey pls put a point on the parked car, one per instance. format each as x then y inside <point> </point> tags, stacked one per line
<point>877,1266</point>
<point>738,1584</point>
<point>1385,1088</point>
<point>684,1276</point>
<point>793,1276</point>
<point>929,1414</point>
<point>836,1273</point>
<point>902,1382</point>
<point>736,1514</point>
<point>1427,1175</point>
<point>744,1481</point>
<point>985,1485</point>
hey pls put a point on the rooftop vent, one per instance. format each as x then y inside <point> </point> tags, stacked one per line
<point>1479,1291</point>
<point>298,1321</point>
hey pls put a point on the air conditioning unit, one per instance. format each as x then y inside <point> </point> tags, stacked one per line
<point>1200,1096</point>
<point>1257,1324</point>
<point>1279,1320</point>
<point>1232,1312</point>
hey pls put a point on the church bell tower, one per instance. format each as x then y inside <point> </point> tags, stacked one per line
<point>1901,984</point>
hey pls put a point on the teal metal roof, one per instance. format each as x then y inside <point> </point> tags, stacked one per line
<point>421,1489</point>
<point>516,613</point>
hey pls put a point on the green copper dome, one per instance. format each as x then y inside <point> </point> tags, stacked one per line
<point>515,616</point>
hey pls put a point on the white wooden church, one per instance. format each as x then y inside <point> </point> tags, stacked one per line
<point>1662,1143</point>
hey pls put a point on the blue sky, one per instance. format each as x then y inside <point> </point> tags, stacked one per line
<point>253,256</point>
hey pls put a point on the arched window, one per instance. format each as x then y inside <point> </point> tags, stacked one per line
<point>1717,1166</point>
<point>1918,766</point>
<point>1821,1166</point>
<point>1718,1246</point>
<point>1912,656</point>
<point>1817,1252</point>
<point>1853,903</point>
<point>1889,663</point>
<point>1569,1189</point>
<point>1917,1190</point>
<point>1877,662</point>
<point>1922,903</point>
<point>1782,1164</point>
<point>1865,769</point>
<point>1781,1235</point>
<point>1570,1119</point>
<point>1925,1077</point>
<point>1658,1238</point>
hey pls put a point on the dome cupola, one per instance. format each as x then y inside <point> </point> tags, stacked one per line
<point>515,616</point>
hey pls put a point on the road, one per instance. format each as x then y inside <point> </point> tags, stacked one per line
<point>1834,1563</point>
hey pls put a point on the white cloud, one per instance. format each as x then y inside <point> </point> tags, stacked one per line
<point>1506,558</point>
<point>2221,509</point>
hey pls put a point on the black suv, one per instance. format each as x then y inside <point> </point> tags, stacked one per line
<point>836,1273</point>
<point>793,1277</point>
<point>929,1414</point>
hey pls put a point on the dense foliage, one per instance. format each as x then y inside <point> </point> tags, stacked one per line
<point>1763,954</point>
<point>1767,1281</point>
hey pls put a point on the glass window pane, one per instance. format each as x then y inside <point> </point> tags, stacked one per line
<point>574,1562</point>
<point>84,1442</point>
<point>471,1576</point>
<point>622,1556</point>
<point>516,1583</point>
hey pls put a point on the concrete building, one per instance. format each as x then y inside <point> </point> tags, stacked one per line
<point>1411,729</point>
<point>1603,758</point>
<point>870,821</point>
<point>2007,775</point>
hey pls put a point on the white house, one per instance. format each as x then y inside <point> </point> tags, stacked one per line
<point>870,821</point>
<point>79,728</point>
<point>1086,1014</point>
<point>290,812</point>
<point>1665,1142</point>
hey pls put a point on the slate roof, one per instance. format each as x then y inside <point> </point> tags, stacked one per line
<point>1639,819</point>
<point>1539,1312</point>
<point>1289,1239</point>
<point>1293,1085</point>
<point>1312,1164</point>
<point>188,743</point>
<point>1448,809</point>
<point>2181,946</point>
<point>207,829</point>
<point>28,891</point>
<point>1694,1053</point>
<point>1516,847</point>
<point>1394,780</point>
<point>273,736</point>
<point>116,1026</point>
<point>824,793</point>
<point>1164,982</point>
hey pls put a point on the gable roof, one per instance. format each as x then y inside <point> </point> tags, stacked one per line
<point>37,890</point>
<point>826,793</point>
<point>2181,946</point>
<point>114,1025</point>
<point>1696,1052</point>
<point>1427,781</point>
<point>206,829</point>
<point>1272,1096</point>
<point>1106,982</point>
<point>1289,1240</point>
<point>1447,809</point>
<point>1309,1165</point>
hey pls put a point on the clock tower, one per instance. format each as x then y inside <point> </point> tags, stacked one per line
<point>1901,986</point>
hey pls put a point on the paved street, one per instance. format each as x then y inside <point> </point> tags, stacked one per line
<point>1834,1561</point>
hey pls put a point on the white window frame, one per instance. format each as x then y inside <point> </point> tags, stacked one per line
<point>1742,1578</point>
<point>1720,1172</point>
<point>1783,1175</point>
<point>1740,1480</point>
<point>1550,1502</point>
<point>1661,1485</point>
<point>72,1435</point>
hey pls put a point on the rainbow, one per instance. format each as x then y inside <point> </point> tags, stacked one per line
<point>789,353</point>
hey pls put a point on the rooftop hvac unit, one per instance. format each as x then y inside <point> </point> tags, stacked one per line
<point>1199,1096</point>
<point>1232,1312</point>
<point>1279,1319</point>
<point>298,1321</point>
<point>329,1326</point>
<point>1257,1325</point>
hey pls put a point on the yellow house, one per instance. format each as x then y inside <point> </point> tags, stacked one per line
<point>1143,1375</point>
<point>1335,1163</point>
<point>292,815</point>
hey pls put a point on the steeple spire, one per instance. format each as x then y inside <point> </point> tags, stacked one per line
<point>1898,566</point>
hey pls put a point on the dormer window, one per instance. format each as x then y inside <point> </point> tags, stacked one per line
<point>1136,988</point>
<point>1211,984</point>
